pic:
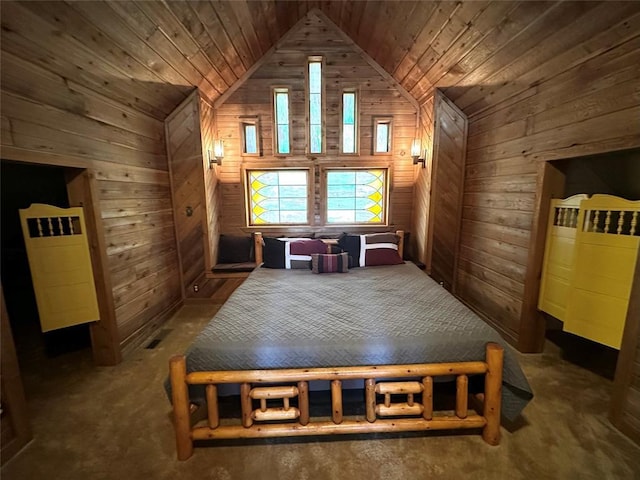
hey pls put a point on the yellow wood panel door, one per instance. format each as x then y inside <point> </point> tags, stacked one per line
<point>559,253</point>
<point>60,265</point>
<point>607,243</point>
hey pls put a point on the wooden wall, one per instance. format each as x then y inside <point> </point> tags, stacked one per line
<point>592,107</point>
<point>190,130</point>
<point>49,118</point>
<point>625,402</point>
<point>447,184</point>
<point>422,185</point>
<point>346,66</point>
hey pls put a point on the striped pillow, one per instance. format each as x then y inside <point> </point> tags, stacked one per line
<point>328,263</point>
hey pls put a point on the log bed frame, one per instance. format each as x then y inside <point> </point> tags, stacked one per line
<point>414,413</point>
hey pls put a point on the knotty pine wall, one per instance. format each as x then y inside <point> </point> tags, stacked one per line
<point>593,107</point>
<point>345,67</point>
<point>50,119</point>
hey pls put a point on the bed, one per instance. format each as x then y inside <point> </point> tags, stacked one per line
<point>388,330</point>
<point>590,254</point>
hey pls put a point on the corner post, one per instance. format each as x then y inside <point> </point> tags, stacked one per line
<point>493,393</point>
<point>180,400</point>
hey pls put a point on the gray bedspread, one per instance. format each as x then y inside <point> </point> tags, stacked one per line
<point>368,316</point>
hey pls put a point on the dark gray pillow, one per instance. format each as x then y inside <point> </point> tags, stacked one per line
<point>235,249</point>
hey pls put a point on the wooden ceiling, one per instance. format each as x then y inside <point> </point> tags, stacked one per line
<point>150,55</point>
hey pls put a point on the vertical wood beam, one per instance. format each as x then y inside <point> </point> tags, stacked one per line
<point>245,402</point>
<point>82,190</point>
<point>427,398</point>
<point>627,359</point>
<point>370,399</point>
<point>550,184</point>
<point>212,405</point>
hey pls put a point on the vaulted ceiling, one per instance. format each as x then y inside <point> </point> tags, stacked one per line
<point>150,55</point>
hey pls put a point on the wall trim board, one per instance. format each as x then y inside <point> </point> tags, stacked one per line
<point>550,182</point>
<point>627,360</point>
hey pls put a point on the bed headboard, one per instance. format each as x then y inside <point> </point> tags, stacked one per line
<point>257,238</point>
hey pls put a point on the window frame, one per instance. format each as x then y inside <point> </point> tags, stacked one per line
<point>274,90</point>
<point>323,106</point>
<point>380,121</point>
<point>246,169</point>
<point>324,195</point>
<point>356,123</point>
<point>245,121</point>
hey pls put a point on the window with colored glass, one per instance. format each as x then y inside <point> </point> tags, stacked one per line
<point>382,136</point>
<point>315,105</point>
<point>282,134</point>
<point>349,124</point>
<point>356,196</point>
<point>278,197</point>
<point>249,138</point>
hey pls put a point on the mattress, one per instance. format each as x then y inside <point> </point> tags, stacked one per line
<point>382,315</point>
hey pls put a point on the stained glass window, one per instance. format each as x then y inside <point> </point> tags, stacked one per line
<point>356,196</point>
<point>315,105</point>
<point>382,136</point>
<point>250,138</point>
<point>349,122</point>
<point>281,105</point>
<point>277,196</point>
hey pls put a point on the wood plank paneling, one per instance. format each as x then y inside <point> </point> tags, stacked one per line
<point>190,131</point>
<point>52,114</point>
<point>592,107</point>
<point>447,186</point>
<point>345,67</point>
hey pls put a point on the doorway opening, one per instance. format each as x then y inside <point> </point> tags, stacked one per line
<point>21,185</point>
<point>615,173</point>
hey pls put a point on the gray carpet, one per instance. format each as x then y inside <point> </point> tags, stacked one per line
<point>113,423</point>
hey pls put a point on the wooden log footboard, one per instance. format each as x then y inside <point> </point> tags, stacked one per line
<point>413,413</point>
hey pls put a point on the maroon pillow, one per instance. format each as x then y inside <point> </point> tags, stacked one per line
<point>307,247</point>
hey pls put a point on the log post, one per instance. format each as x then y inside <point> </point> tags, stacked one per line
<point>180,400</point>
<point>245,403</point>
<point>370,399</point>
<point>257,243</point>
<point>336,401</point>
<point>400,234</point>
<point>303,402</point>
<point>462,397</point>
<point>212,406</point>
<point>427,398</point>
<point>493,393</point>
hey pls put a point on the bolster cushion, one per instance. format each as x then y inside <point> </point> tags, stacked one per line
<point>329,263</point>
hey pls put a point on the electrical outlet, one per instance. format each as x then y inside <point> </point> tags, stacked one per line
<point>196,288</point>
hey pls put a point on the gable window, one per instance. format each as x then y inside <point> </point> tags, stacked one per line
<point>249,135</point>
<point>356,196</point>
<point>315,105</point>
<point>277,197</point>
<point>282,135</point>
<point>382,135</point>
<point>349,122</point>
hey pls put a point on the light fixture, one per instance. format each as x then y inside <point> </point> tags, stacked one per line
<point>218,153</point>
<point>415,153</point>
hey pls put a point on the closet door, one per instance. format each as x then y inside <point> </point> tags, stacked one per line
<point>447,185</point>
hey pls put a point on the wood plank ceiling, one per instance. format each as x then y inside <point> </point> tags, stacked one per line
<point>149,55</point>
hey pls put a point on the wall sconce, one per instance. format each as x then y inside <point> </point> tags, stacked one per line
<point>415,153</point>
<point>218,153</point>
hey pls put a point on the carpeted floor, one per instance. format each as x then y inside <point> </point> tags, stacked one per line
<point>113,423</point>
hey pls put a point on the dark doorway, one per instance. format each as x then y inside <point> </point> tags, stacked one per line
<point>20,186</point>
